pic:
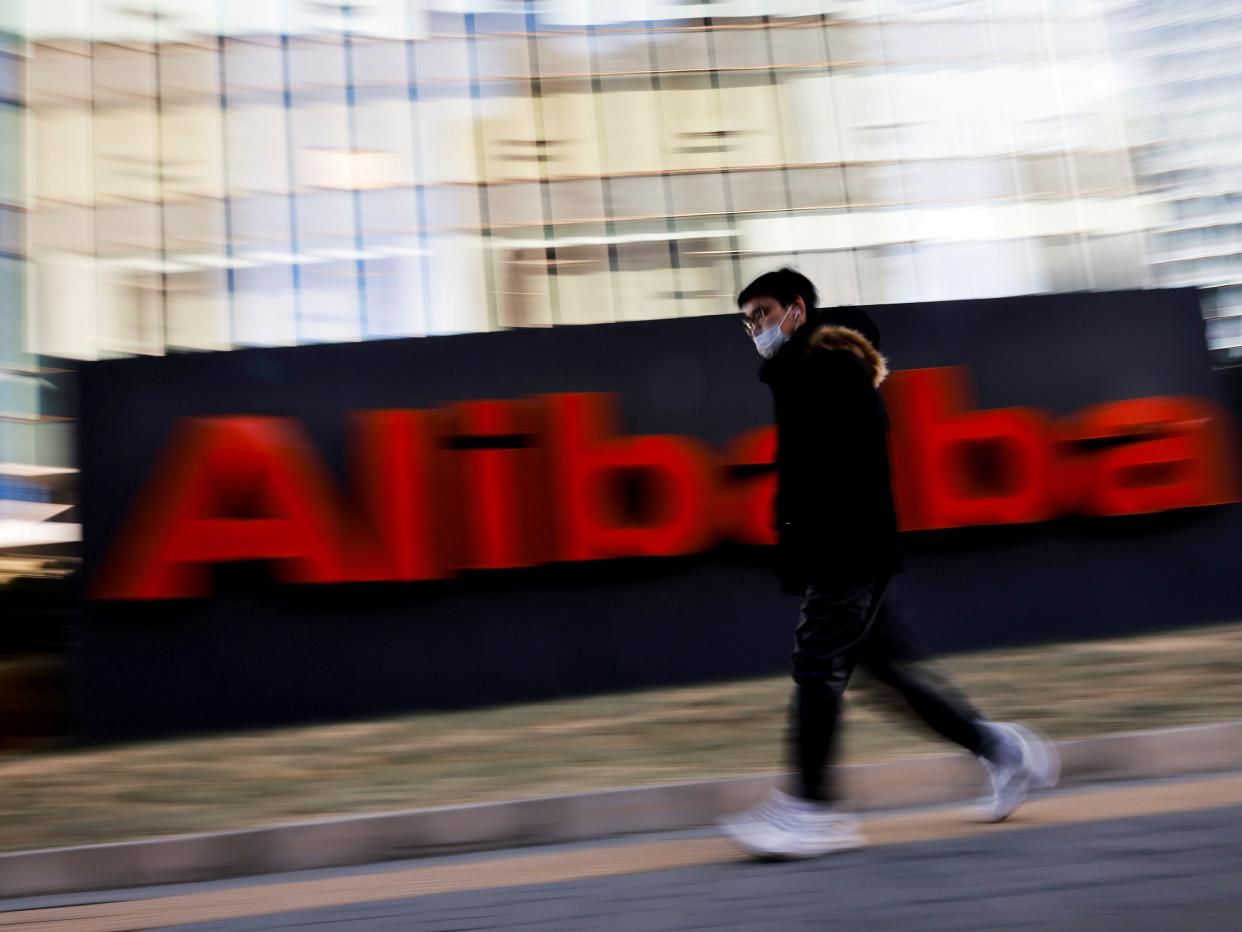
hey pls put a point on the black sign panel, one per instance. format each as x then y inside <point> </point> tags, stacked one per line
<point>253,650</point>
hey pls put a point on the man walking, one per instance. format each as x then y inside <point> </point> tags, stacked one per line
<point>838,549</point>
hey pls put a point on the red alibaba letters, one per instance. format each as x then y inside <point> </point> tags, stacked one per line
<point>499,484</point>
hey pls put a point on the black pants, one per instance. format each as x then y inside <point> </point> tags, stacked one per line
<point>844,626</point>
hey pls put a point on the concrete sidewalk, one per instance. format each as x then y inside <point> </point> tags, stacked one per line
<point>420,833</point>
<point>1138,855</point>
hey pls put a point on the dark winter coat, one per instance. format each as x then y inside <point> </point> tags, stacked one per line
<point>835,515</point>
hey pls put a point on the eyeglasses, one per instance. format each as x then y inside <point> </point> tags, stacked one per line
<point>755,320</point>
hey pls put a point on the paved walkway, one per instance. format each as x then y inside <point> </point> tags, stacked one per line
<point>1139,856</point>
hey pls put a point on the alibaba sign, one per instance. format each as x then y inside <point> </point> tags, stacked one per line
<point>503,484</point>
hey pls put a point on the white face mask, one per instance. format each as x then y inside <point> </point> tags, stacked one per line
<point>767,342</point>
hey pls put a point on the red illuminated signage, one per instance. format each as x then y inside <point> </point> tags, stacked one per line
<point>502,484</point>
<point>956,467</point>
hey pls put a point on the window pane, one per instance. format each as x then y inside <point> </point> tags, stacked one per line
<point>512,142</point>
<point>125,146</point>
<point>258,148</point>
<point>12,155</point>
<point>11,238</point>
<point>192,151</point>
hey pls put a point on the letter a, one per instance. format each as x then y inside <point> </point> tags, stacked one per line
<point>228,489</point>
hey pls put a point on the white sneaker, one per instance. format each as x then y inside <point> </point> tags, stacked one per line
<point>783,828</point>
<point>1025,763</point>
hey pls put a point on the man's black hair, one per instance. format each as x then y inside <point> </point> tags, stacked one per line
<point>784,285</point>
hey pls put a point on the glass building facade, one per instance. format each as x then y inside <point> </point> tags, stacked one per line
<point>185,175</point>
<point>1183,78</point>
<point>283,173</point>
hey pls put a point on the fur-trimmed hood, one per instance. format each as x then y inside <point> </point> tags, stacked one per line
<point>833,337</point>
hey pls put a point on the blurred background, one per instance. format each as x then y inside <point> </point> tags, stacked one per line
<point>182,175</point>
<point>191,175</point>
